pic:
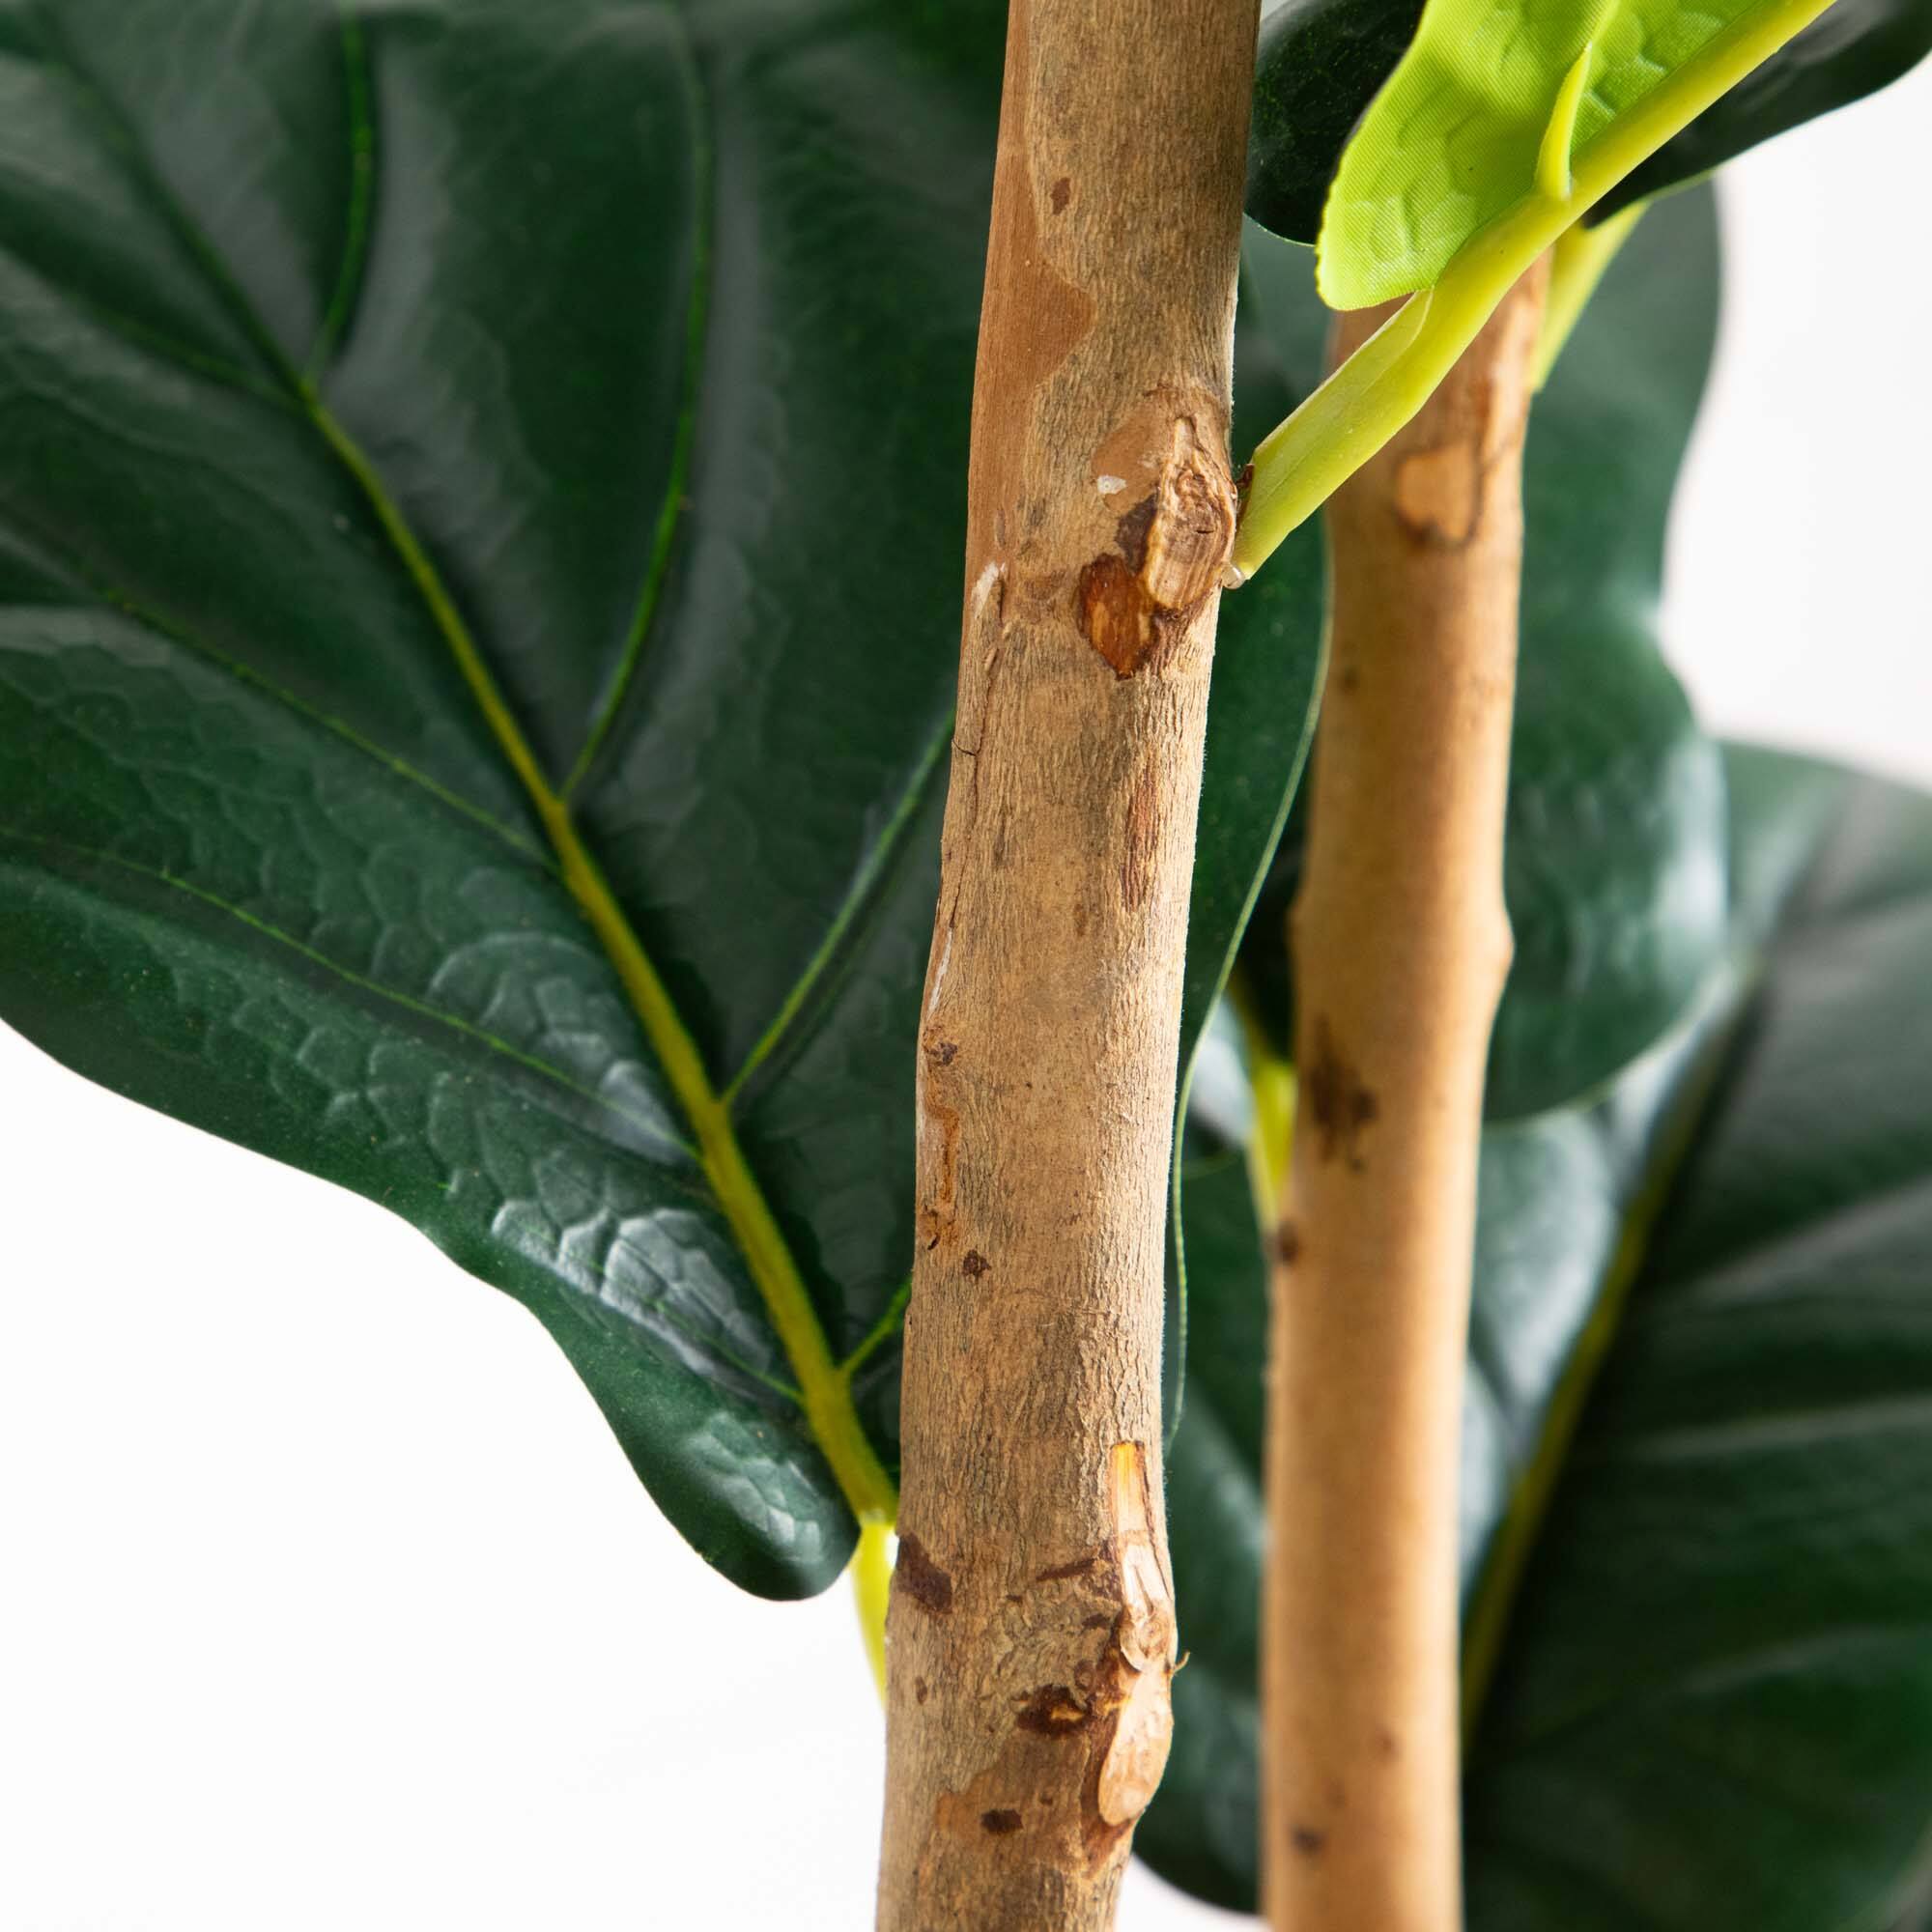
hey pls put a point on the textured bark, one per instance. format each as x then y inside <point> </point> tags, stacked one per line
<point>1401,945</point>
<point>1030,1634</point>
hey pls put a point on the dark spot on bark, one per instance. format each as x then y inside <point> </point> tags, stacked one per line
<point>1079,1567</point>
<point>1130,533</point>
<point>1310,1843</point>
<point>1063,193</point>
<point>1241,484</point>
<point>999,1823</point>
<point>942,1052</point>
<point>921,1578</point>
<point>1099,1621</point>
<point>1287,1244</point>
<point>1347,679</point>
<point>1053,1711</point>
<point>1386,1744</point>
<point>975,1264</point>
<point>1342,1108</point>
<point>921,1690</point>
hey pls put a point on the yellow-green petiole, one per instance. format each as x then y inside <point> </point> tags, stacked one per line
<point>1366,401</point>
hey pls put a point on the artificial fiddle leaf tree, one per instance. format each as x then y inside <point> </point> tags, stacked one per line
<point>477,681</point>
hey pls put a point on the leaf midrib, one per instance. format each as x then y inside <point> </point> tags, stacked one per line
<point>824,1385</point>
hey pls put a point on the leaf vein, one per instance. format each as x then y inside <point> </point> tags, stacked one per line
<point>670,513</point>
<point>849,920</point>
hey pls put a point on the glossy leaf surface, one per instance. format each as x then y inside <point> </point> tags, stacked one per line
<point>1714,1700</point>
<point>1735,1717</point>
<point>1614,849</point>
<point>420,441</point>
<point>481,511</point>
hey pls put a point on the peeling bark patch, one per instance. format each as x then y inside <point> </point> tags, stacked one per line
<point>921,1578</point>
<point>1063,193</point>
<point>975,1264</point>
<point>1340,1107</point>
<point>1131,1771</point>
<point>1052,1711</point>
<point>1114,616</point>
<point>1146,1633</point>
<point>999,1823</point>
<point>1309,1842</point>
<point>1036,316</point>
<point>940,1161</point>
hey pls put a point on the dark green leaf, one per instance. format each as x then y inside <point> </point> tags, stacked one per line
<point>1852,49</point>
<point>1714,1698</point>
<point>1556,1194</point>
<point>1719,1675</point>
<point>1260,716</point>
<point>1201,1831</point>
<point>481,510</point>
<point>345,354</point>
<point>1614,854</point>
<point>1319,64</point>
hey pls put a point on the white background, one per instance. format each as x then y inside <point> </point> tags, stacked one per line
<point>326,1599</point>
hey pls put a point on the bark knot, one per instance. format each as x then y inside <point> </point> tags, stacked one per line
<point>1170,552</point>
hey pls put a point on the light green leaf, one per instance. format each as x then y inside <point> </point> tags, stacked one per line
<point>1500,103</point>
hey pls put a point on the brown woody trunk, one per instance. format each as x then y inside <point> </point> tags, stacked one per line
<point>1030,1634</point>
<point>1400,947</point>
